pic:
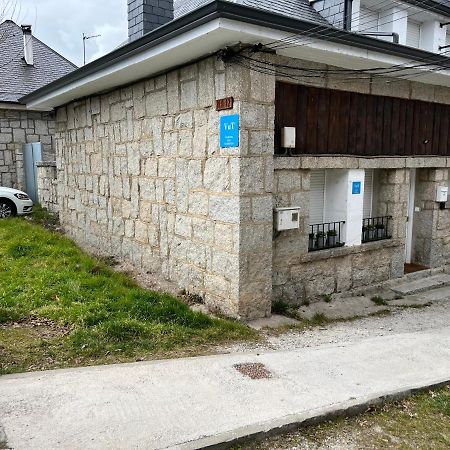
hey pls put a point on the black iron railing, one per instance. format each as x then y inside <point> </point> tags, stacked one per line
<point>376,229</point>
<point>325,235</point>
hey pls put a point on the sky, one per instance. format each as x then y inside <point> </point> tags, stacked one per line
<point>61,23</point>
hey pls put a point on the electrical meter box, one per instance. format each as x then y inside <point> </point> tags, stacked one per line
<point>287,218</point>
<point>442,194</point>
<point>288,137</point>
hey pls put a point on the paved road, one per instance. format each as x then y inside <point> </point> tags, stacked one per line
<point>190,403</point>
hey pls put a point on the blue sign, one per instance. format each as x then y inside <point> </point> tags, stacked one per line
<point>229,131</point>
<point>356,187</point>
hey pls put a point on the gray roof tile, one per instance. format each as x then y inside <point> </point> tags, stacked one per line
<point>297,9</point>
<point>16,77</point>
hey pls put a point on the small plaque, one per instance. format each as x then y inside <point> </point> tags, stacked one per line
<point>224,103</point>
<point>229,131</point>
<point>356,188</point>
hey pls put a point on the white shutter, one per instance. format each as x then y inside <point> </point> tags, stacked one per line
<point>368,20</point>
<point>413,34</point>
<point>317,197</point>
<point>368,194</point>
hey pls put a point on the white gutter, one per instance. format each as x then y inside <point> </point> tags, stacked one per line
<point>211,37</point>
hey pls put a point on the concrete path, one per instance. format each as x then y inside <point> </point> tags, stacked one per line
<point>196,402</point>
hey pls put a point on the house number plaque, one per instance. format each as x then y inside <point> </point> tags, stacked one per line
<point>224,103</point>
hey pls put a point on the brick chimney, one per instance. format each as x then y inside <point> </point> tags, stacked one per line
<point>147,15</point>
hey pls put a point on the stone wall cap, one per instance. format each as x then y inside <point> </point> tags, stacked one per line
<point>358,162</point>
<point>46,164</point>
<point>346,251</point>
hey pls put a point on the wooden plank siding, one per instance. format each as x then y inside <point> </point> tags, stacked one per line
<point>348,123</point>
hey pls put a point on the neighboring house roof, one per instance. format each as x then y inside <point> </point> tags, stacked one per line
<point>16,77</point>
<point>296,9</point>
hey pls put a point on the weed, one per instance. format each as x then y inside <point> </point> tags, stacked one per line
<point>280,307</point>
<point>379,301</point>
<point>306,302</point>
<point>319,319</point>
<point>327,298</point>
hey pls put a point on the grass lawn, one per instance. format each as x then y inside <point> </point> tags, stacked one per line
<point>419,422</point>
<point>60,307</point>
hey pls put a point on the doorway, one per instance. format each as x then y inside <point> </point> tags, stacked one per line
<point>32,153</point>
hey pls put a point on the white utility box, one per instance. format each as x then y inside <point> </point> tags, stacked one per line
<point>442,194</point>
<point>288,137</point>
<point>287,218</point>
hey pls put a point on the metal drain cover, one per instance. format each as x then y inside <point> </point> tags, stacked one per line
<point>255,371</point>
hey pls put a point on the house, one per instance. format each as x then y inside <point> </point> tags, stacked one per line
<point>26,64</point>
<point>255,150</point>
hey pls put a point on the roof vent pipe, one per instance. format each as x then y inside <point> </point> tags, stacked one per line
<point>27,45</point>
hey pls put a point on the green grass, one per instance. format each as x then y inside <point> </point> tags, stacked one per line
<point>99,315</point>
<point>418,422</point>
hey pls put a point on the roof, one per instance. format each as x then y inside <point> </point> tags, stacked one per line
<point>16,77</point>
<point>215,26</point>
<point>296,9</point>
<point>437,6</point>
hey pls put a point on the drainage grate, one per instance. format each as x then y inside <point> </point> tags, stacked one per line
<point>255,371</point>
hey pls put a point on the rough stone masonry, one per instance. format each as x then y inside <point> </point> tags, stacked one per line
<point>141,176</point>
<point>18,127</point>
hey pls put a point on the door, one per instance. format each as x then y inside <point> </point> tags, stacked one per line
<point>410,219</point>
<point>32,153</point>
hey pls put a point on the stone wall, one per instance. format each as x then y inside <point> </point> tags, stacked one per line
<point>47,185</point>
<point>299,276</point>
<point>142,177</point>
<point>431,232</point>
<point>18,127</point>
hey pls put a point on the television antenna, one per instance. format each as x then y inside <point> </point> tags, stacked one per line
<point>85,38</point>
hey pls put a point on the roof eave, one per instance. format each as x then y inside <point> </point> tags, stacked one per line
<point>220,9</point>
<point>436,7</point>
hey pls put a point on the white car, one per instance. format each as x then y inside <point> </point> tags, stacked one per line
<point>14,203</point>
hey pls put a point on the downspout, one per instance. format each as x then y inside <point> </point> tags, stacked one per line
<point>348,7</point>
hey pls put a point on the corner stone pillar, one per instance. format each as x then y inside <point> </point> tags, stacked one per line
<point>255,101</point>
<point>393,201</point>
<point>431,234</point>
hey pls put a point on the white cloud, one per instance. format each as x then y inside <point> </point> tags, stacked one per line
<point>61,23</point>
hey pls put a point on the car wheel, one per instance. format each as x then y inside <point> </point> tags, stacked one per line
<point>7,209</point>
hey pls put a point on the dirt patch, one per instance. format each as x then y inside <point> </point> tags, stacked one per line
<point>42,328</point>
<point>146,279</point>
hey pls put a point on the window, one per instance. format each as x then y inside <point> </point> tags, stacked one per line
<point>324,231</point>
<point>317,197</point>
<point>368,194</point>
<point>413,34</point>
<point>368,20</point>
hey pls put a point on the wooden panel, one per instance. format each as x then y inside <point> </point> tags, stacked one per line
<point>302,109</point>
<point>323,121</point>
<point>312,119</point>
<point>340,122</point>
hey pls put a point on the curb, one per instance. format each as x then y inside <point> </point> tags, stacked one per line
<point>294,422</point>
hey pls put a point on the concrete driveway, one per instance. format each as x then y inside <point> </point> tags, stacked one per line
<point>196,402</point>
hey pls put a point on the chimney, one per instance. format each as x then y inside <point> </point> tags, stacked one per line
<point>27,45</point>
<point>147,15</point>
